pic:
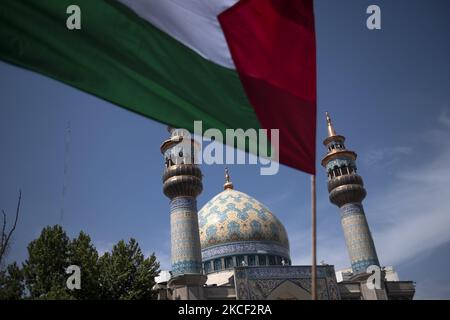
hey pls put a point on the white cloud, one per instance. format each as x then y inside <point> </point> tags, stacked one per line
<point>385,157</point>
<point>444,118</point>
<point>416,206</point>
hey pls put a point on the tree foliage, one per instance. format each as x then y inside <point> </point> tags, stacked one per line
<point>83,254</point>
<point>126,274</point>
<point>48,257</point>
<point>11,283</point>
<point>123,273</point>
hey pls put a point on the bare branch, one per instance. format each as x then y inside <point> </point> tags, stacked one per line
<point>17,214</point>
<point>6,237</point>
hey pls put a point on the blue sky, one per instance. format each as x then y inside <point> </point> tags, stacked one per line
<point>388,92</point>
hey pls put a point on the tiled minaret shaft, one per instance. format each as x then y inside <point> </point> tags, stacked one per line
<point>182,183</point>
<point>346,190</point>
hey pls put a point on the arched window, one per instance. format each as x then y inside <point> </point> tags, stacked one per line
<point>229,262</point>
<point>239,261</point>
<point>272,260</point>
<point>262,260</point>
<point>336,171</point>
<point>217,265</point>
<point>278,260</point>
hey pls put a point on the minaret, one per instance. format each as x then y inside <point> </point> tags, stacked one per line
<point>182,183</point>
<point>346,189</point>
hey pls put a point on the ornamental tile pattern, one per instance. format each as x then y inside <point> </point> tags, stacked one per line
<point>357,237</point>
<point>244,247</point>
<point>233,216</point>
<point>186,254</point>
<point>257,283</point>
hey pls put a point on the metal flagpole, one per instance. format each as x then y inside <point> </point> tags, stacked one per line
<point>314,260</point>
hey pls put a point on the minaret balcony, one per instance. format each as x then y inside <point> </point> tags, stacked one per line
<point>182,180</point>
<point>343,180</point>
<point>346,189</point>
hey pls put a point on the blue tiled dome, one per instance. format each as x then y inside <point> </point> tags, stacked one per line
<point>234,223</point>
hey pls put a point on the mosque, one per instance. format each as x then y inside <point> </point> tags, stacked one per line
<point>236,248</point>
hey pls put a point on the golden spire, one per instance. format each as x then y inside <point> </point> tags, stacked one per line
<point>331,132</point>
<point>228,184</point>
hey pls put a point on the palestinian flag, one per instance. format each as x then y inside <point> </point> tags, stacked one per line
<point>232,64</point>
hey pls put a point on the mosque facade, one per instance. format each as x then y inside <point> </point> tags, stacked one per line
<point>234,247</point>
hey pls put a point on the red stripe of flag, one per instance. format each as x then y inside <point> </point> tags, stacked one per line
<point>273,46</point>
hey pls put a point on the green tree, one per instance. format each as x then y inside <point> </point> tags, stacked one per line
<point>11,283</point>
<point>44,270</point>
<point>83,254</point>
<point>126,274</point>
<point>123,273</point>
<point>56,293</point>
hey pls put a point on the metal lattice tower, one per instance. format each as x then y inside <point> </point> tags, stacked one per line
<point>66,170</point>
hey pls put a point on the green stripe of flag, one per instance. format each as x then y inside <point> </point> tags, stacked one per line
<point>121,58</point>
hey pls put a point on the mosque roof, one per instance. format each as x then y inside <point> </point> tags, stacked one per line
<point>235,217</point>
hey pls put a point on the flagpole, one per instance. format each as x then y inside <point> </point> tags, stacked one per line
<point>314,260</point>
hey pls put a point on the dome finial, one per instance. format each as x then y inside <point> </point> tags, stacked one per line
<point>228,184</point>
<point>330,128</point>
